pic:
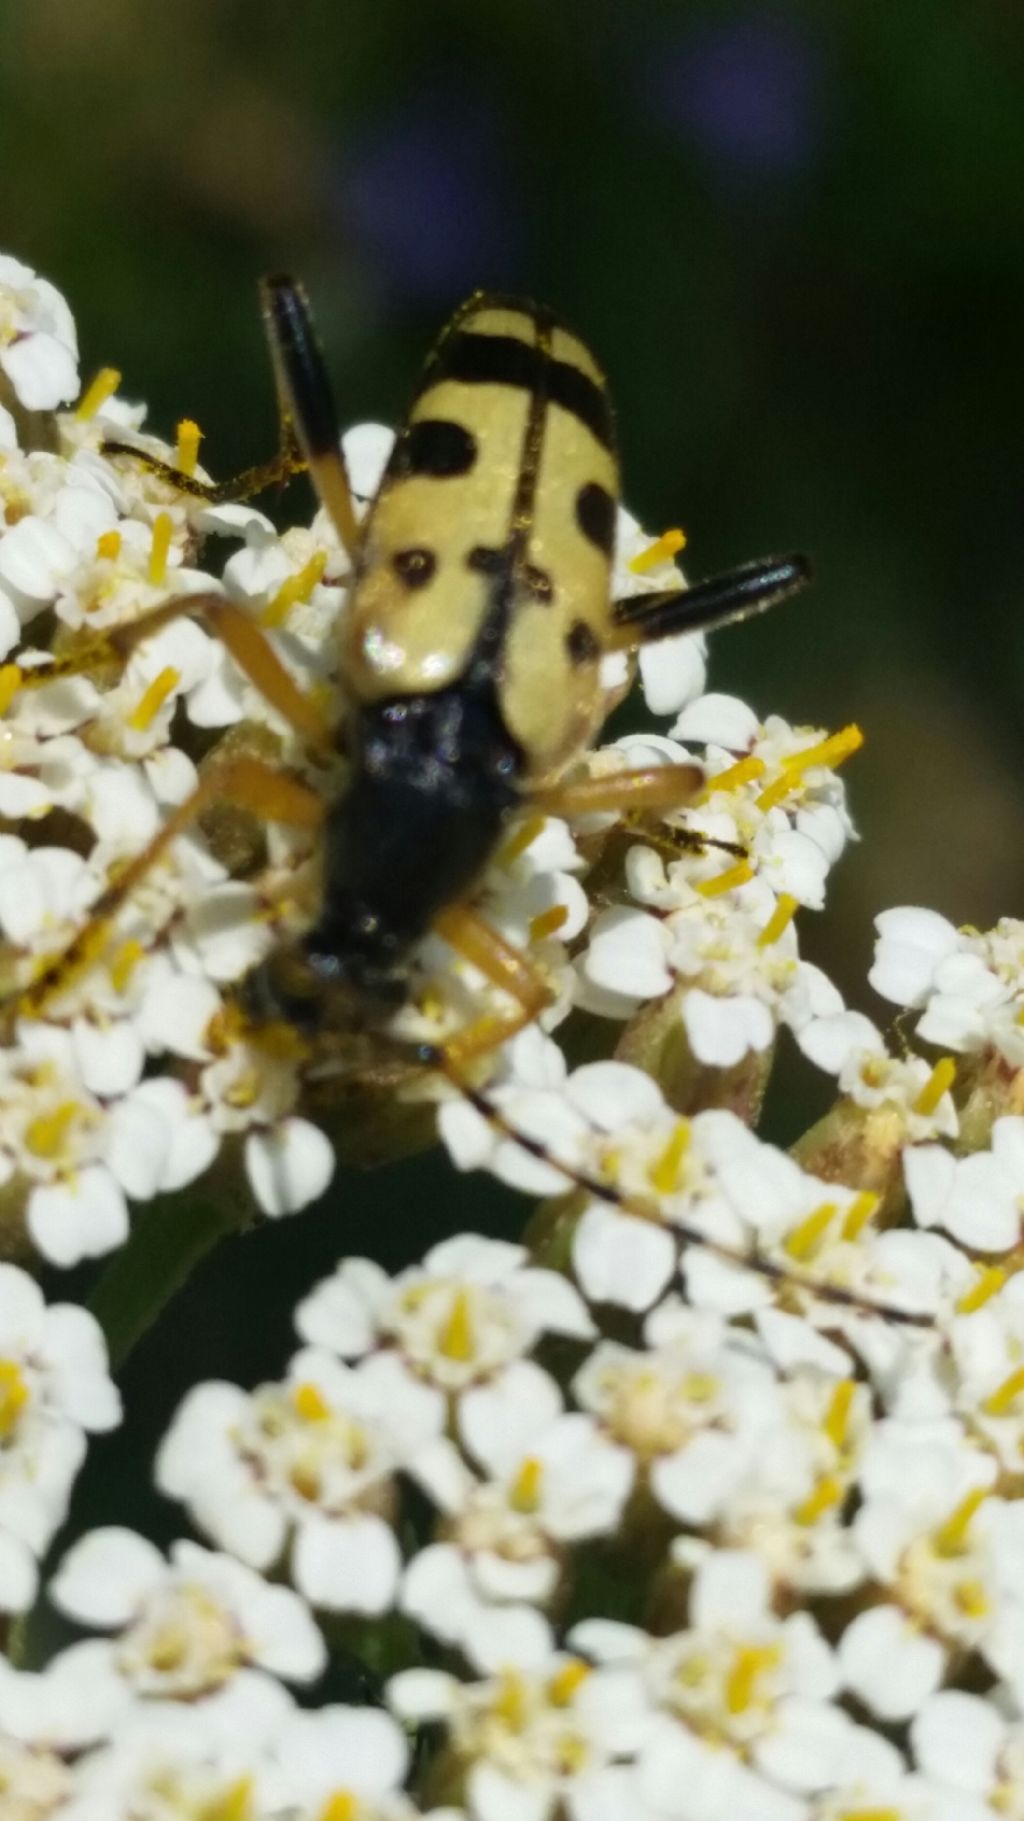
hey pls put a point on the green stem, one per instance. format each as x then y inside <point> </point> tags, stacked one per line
<point>169,1238</point>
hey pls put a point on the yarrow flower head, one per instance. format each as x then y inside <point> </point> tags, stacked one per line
<point>697,1498</point>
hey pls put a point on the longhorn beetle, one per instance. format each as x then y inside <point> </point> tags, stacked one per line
<point>480,610</point>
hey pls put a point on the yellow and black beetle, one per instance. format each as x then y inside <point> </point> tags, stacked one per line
<point>479,612</point>
<point>471,646</point>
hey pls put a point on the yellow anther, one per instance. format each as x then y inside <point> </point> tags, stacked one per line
<point>187,453</point>
<point>829,752</point>
<point>774,793</point>
<point>805,1239</point>
<point>972,1599</point>
<point>662,550</point>
<point>153,698</point>
<point>938,1083</point>
<point>108,545</point>
<point>10,683</point>
<point>160,549</point>
<point>123,963</point>
<point>989,1282</point>
<point>96,393</point>
<point>520,839</point>
<point>13,1396</point>
<point>563,1685</point>
<point>734,876</point>
<point>750,1664</point>
<point>510,1705</point>
<point>234,1805</point>
<point>1001,1401</point>
<point>780,920</point>
<point>457,1339</point>
<point>524,1492</point>
<point>547,922</point>
<point>827,1494</point>
<point>46,1134</point>
<point>871,1814</point>
<point>663,1174</point>
<point>836,1425</point>
<point>859,1213</point>
<point>745,771</point>
<point>310,1403</point>
<point>297,588</point>
<point>341,1805</point>
<point>699,1387</point>
<point>950,1538</point>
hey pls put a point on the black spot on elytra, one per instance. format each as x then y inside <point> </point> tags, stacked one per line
<point>436,446</point>
<point>414,567</point>
<point>595,515</point>
<point>484,559</point>
<point>581,643</point>
<point>538,582</point>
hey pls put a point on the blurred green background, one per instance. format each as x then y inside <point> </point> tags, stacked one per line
<point>794,233</point>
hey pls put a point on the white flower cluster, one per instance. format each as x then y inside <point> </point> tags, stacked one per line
<point>659,1517</point>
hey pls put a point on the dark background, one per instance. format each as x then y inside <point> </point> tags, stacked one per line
<point>794,234</point>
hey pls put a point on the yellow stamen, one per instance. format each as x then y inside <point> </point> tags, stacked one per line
<point>837,1417</point>
<point>972,1599</point>
<point>123,963</point>
<point>1001,1401</point>
<point>45,1135</point>
<point>938,1083</point>
<point>829,752</point>
<point>699,1387</point>
<point>310,1403</point>
<point>733,777</point>
<point>990,1281</point>
<point>563,1685</point>
<point>805,1239</point>
<point>664,1172</point>
<point>457,1340</point>
<point>10,683</point>
<point>160,549</point>
<point>296,588</point>
<point>827,1494</point>
<point>950,1538</point>
<point>780,920</point>
<point>153,698</point>
<point>662,550</point>
<point>859,1213</point>
<point>727,881</point>
<point>341,1805</point>
<point>870,1814</point>
<point>547,922</point>
<point>96,393</point>
<point>234,1805</point>
<point>13,1397</point>
<point>750,1664</point>
<point>524,1492</point>
<point>510,1701</point>
<point>108,545</point>
<point>189,438</point>
<point>774,793</point>
<point>520,839</point>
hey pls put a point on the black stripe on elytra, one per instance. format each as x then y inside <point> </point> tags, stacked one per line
<point>504,360</point>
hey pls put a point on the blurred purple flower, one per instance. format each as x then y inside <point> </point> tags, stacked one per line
<point>748,90</point>
<point>427,193</point>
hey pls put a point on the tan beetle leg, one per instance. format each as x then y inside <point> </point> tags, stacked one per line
<point>250,648</point>
<point>245,782</point>
<point>506,967</point>
<point>649,787</point>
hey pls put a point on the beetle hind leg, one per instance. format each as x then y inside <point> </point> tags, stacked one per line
<point>720,600</point>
